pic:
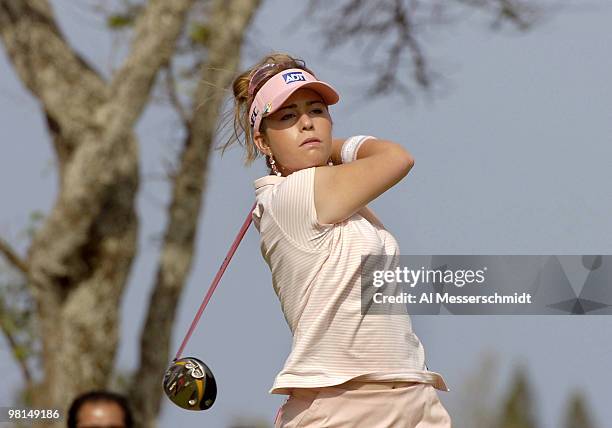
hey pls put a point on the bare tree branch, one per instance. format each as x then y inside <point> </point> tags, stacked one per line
<point>173,96</point>
<point>393,28</point>
<point>156,33</point>
<point>15,347</point>
<point>523,14</point>
<point>14,259</point>
<point>108,156</point>
<point>49,68</point>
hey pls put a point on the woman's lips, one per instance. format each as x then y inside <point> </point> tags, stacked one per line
<point>311,142</point>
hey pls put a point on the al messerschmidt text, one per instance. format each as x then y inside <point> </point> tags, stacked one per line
<point>524,298</point>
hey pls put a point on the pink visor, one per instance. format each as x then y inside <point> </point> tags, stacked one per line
<point>275,92</point>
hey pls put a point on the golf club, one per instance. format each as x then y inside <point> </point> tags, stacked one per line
<point>188,382</point>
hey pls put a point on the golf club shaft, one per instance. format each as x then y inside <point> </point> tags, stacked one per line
<point>228,257</point>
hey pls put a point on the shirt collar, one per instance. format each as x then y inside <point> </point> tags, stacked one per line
<point>266,180</point>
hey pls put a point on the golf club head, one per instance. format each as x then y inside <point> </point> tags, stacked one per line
<point>190,384</point>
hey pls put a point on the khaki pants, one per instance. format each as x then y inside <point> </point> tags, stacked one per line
<point>414,406</point>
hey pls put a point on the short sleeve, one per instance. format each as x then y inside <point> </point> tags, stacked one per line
<point>293,208</point>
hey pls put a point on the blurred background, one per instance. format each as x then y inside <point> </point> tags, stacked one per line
<point>116,213</point>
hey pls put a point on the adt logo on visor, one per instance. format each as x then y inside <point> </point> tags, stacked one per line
<point>295,76</point>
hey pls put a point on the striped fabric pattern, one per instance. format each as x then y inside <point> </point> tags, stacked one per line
<point>315,274</point>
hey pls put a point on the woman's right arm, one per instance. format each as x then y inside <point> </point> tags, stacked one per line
<point>344,189</point>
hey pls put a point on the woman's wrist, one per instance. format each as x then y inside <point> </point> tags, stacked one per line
<point>350,148</point>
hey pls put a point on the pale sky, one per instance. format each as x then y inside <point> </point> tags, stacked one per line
<point>513,157</point>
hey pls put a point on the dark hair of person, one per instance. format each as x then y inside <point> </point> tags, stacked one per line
<point>100,396</point>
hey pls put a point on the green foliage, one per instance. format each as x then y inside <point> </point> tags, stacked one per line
<point>119,21</point>
<point>517,409</point>
<point>17,319</point>
<point>477,400</point>
<point>200,33</point>
<point>18,310</point>
<point>577,415</point>
<point>125,17</point>
<point>36,218</point>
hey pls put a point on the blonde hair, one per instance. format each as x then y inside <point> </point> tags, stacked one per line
<point>242,133</point>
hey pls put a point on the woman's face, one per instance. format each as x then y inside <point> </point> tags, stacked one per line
<point>299,133</point>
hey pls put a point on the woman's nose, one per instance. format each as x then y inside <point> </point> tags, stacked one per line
<point>306,121</point>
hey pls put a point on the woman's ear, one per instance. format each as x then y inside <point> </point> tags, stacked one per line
<point>260,142</point>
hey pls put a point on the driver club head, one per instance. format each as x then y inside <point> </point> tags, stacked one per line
<point>190,384</point>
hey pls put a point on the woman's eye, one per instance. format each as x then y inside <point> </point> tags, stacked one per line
<point>317,111</point>
<point>287,116</point>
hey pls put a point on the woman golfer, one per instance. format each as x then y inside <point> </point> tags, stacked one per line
<point>345,369</point>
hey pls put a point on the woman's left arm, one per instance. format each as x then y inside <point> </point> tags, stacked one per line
<point>365,211</point>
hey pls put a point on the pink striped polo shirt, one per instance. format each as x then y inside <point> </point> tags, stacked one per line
<point>316,275</point>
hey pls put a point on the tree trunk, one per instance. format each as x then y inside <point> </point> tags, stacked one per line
<point>80,259</point>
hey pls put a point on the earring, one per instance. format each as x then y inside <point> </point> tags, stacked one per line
<point>273,165</point>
